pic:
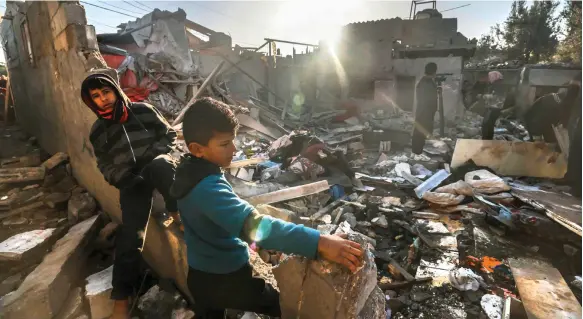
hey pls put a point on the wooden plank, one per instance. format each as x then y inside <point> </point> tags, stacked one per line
<point>29,160</point>
<point>21,210</point>
<point>55,160</point>
<point>24,174</point>
<point>289,193</point>
<point>543,290</point>
<point>562,208</point>
<point>512,158</point>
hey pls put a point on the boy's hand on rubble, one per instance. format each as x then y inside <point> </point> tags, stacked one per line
<point>340,250</point>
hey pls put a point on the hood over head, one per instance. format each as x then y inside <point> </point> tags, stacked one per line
<point>189,173</point>
<point>120,109</point>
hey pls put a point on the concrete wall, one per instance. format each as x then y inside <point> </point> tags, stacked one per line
<point>48,104</point>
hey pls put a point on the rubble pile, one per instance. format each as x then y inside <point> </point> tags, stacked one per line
<point>48,222</point>
<point>441,236</point>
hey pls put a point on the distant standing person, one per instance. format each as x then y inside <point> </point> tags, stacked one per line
<point>426,96</point>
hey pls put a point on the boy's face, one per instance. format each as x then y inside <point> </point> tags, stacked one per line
<point>104,98</point>
<point>219,150</point>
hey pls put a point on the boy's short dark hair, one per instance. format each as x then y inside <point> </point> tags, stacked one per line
<point>97,83</point>
<point>430,68</point>
<point>205,117</point>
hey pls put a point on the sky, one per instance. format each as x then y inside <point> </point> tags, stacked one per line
<point>249,22</point>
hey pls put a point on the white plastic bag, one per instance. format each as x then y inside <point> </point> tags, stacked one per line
<point>482,181</point>
<point>443,199</point>
<point>457,188</point>
<point>464,279</point>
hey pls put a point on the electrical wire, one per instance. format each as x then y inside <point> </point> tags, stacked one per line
<point>133,5</point>
<point>94,5</point>
<point>138,2</point>
<point>111,5</point>
<point>103,24</point>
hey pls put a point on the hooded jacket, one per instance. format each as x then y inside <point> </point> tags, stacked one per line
<point>217,223</point>
<point>128,138</point>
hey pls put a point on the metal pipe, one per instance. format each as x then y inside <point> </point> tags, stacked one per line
<point>291,42</point>
<point>202,88</point>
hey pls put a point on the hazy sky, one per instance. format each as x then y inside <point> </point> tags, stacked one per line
<point>249,22</point>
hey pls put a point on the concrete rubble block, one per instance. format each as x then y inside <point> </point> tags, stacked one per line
<point>81,206</point>
<point>41,295</point>
<point>374,307</point>
<point>67,13</point>
<point>320,289</point>
<point>98,291</point>
<point>73,307</point>
<point>20,246</point>
<point>9,284</point>
<point>283,214</point>
<point>156,303</point>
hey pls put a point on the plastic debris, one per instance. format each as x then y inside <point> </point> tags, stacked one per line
<point>465,279</point>
<point>431,183</point>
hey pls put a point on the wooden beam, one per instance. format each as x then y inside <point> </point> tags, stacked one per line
<point>24,174</point>
<point>55,160</point>
<point>202,88</point>
<point>543,290</point>
<point>289,193</point>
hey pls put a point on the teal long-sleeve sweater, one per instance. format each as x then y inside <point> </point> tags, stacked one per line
<point>217,223</point>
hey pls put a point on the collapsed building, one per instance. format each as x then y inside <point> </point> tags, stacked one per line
<point>417,234</point>
<point>384,59</point>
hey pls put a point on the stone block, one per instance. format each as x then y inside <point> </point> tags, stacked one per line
<point>374,307</point>
<point>21,246</point>
<point>320,289</point>
<point>73,307</point>
<point>80,207</point>
<point>98,292</point>
<point>9,284</point>
<point>156,303</point>
<point>41,295</point>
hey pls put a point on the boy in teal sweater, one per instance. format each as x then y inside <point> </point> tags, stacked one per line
<point>219,226</point>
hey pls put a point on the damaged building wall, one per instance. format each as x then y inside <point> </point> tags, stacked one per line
<point>49,49</point>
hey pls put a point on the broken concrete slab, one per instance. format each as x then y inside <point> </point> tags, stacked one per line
<point>20,246</point>
<point>10,284</point>
<point>156,303</point>
<point>73,307</point>
<point>320,289</point>
<point>41,294</point>
<point>511,158</point>
<point>543,290</point>
<point>98,291</point>
<point>280,213</point>
<point>374,307</point>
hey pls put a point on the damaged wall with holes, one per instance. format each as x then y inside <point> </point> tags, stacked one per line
<point>49,50</point>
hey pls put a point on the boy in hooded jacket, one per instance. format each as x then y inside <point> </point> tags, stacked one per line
<point>131,142</point>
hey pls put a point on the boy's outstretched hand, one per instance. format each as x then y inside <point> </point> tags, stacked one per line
<point>340,250</point>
